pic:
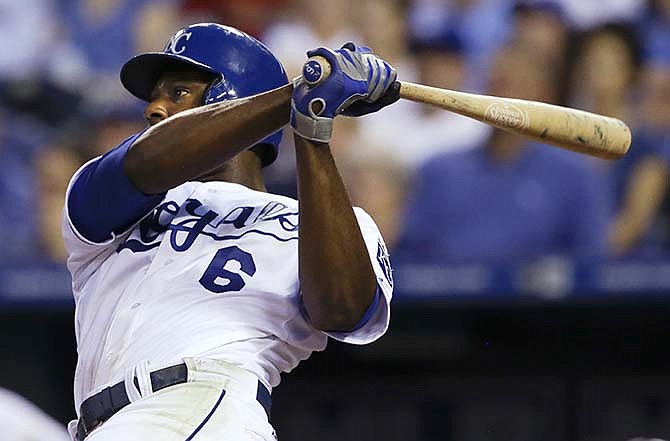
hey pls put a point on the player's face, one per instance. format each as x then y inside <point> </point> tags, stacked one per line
<point>174,92</point>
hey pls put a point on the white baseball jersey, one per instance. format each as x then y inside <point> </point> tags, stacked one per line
<point>211,272</point>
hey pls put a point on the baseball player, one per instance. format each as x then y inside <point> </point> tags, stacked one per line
<point>195,289</point>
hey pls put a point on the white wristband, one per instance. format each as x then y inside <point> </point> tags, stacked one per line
<point>315,128</point>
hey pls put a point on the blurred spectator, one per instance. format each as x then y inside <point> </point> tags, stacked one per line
<point>586,14</point>
<point>606,63</point>
<point>54,167</point>
<point>19,139</point>
<point>107,33</point>
<point>510,199</point>
<point>153,24</point>
<point>482,26</point>
<point>383,26</point>
<point>308,24</point>
<point>21,420</point>
<point>378,184</point>
<point>607,81</point>
<point>654,31</point>
<point>250,16</point>
<point>30,54</point>
<point>26,27</point>
<point>542,26</point>
<point>641,225</point>
<point>412,132</point>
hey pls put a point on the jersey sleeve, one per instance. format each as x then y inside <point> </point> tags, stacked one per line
<point>376,320</point>
<point>102,202</point>
<point>101,206</point>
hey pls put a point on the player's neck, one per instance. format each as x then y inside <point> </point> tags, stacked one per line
<point>243,169</point>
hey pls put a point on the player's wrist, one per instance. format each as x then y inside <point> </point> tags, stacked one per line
<point>311,126</point>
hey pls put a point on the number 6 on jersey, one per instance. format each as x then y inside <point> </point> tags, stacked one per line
<point>216,270</point>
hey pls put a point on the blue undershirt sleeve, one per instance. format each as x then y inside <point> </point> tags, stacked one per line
<point>102,201</point>
<point>366,317</point>
<point>370,311</point>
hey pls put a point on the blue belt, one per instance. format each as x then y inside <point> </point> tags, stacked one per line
<point>100,407</point>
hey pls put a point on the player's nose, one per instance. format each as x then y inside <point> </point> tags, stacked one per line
<point>155,112</point>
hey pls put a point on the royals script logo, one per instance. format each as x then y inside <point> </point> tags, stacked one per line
<point>193,219</point>
<point>177,43</point>
<point>506,115</point>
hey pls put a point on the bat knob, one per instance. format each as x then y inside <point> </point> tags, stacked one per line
<point>315,71</point>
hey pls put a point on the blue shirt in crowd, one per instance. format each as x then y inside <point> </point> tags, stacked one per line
<point>18,192</point>
<point>106,42</point>
<point>647,143</point>
<point>466,207</point>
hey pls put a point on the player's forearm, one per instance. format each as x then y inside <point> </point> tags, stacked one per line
<point>337,280</point>
<point>193,143</point>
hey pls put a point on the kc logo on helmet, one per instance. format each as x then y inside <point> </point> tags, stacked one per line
<point>177,43</point>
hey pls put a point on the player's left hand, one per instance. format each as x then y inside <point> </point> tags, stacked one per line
<point>359,83</point>
<point>383,89</point>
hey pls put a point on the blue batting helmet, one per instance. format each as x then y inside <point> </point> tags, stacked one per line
<point>242,66</point>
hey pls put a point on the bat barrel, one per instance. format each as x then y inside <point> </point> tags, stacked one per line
<point>577,130</point>
<point>571,129</point>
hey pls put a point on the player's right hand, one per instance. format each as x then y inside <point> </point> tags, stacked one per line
<point>357,76</point>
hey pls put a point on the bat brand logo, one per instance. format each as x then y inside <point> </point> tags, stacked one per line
<point>506,115</point>
<point>174,41</point>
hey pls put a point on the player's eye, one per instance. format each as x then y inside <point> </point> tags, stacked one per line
<point>180,92</point>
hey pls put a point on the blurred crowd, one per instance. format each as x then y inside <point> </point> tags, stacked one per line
<point>442,188</point>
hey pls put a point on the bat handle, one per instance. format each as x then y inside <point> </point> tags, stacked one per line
<point>316,70</point>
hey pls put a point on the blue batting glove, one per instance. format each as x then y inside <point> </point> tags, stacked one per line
<point>380,75</point>
<point>356,74</point>
<point>361,107</point>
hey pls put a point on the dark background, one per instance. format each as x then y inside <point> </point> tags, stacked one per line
<point>450,368</point>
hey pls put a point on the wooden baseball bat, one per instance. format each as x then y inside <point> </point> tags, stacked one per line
<point>572,129</point>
